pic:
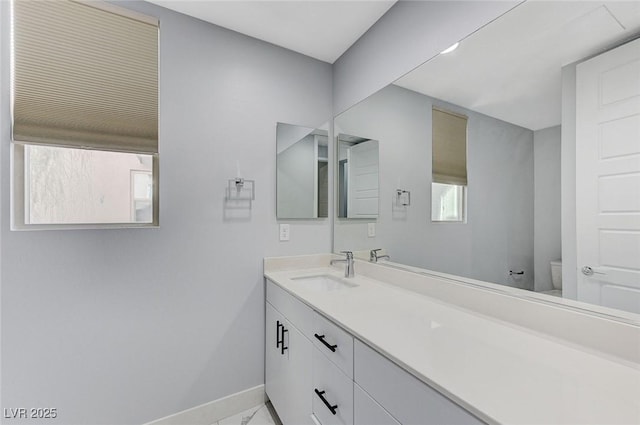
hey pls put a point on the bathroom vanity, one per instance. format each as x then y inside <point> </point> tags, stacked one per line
<point>393,347</point>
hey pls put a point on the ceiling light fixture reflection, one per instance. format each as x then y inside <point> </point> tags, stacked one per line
<point>450,49</point>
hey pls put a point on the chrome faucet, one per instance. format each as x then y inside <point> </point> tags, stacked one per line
<point>374,257</point>
<point>348,266</point>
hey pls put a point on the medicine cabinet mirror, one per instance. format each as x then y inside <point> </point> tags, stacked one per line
<point>302,181</point>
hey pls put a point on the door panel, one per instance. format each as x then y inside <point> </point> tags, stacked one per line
<point>608,178</point>
<point>620,137</point>
<point>363,180</point>
<point>619,80</point>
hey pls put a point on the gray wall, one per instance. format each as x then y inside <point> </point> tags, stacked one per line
<point>125,326</point>
<point>568,185</point>
<point>499,233</point>
<point>547,244</point>
<point>410,33</point>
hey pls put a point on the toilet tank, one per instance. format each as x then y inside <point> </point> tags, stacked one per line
<point>556,274</point>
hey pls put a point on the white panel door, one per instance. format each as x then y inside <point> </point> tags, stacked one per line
<point>608,178</point>
<point>363,180</point>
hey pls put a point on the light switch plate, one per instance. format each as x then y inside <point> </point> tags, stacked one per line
<point>371,230</point>
<point>284,232</point>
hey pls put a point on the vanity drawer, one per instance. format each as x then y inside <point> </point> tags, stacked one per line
<point>332,392</point>
<point>408,399</point>
<point>298,313</point>
<point>334,342</point>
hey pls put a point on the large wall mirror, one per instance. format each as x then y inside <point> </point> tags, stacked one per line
<point>302,181</point>
<point>520,151</point>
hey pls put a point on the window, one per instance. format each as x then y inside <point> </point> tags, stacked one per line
<point>447,202</point>
<point>449,166</point>
<point>85,115</point>
<point>142,191</point>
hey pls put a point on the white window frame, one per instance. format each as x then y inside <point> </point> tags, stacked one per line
<point>20,201</point>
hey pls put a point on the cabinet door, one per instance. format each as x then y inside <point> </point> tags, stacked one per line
<point>287,369</point>
<point>298,377</point>
<point>275,362</point>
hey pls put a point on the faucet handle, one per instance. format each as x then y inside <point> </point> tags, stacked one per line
<point>349,254</point>
<point>373,254</point>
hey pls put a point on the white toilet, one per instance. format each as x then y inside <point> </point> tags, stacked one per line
<point>556,274</point>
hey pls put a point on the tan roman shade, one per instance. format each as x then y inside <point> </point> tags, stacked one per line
<point>449,136</point>
<point>85,75</point>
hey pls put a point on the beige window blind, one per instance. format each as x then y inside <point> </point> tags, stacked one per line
<point>449,137</point>
<point>85,75</point>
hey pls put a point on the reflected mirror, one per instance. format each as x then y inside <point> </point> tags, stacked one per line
<point>302,181</point>
<point>357,177</point>
<point>542,194</point>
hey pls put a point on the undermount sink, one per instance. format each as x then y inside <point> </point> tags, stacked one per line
<point>324,282</point>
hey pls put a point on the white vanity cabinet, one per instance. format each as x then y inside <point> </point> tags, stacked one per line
<point>316,372</point>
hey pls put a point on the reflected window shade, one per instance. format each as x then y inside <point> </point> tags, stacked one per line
<point>85,75</point>
<point>449,136</point>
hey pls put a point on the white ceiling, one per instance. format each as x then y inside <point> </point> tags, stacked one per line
<point>511,69</point>
<point>322,29</point>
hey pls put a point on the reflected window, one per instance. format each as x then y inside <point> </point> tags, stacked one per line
<point>449,166</point>
<point>142,201</point>
<point>447,202</point>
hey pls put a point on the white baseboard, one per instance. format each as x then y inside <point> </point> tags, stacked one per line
<point>212,412</point>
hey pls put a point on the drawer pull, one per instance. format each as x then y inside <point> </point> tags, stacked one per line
<point>331,408</point>
<point>282,347</point>
<point>326,344</point>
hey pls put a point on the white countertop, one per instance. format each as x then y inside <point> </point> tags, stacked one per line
<point>500,372</point>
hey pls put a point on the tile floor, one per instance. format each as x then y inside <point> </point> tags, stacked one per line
<point>258,415</point>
